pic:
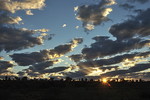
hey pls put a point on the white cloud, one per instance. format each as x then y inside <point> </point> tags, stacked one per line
<point>28,12</point>
<point>15,5</point>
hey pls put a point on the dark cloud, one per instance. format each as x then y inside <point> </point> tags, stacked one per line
<point>15,5</point>
<point>136,68</point>
<point>81,73</point>
<point>133,27</point>
<point>42,66</point>
<point>21,74</point>
<point>139,67</point>
<point>55,69</point>
<point>140,1</point>
<point>76,74</point>
<point>5,66</point>
<point>126,6</point>
<point>12,38</point>
<point>92,15</point>
<point>146,75</point>
<point>17,39</point>
<point>106,47</point>
<point>38,72</point>
<point>109,68</point>
<point>25,59</point>
<point>138,75</point>
<point>76,57</point>
<point>114,60</point>
<point>5,18</point>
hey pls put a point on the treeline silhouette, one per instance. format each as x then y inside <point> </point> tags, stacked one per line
<point>16,88</point>
<point>16,82</point>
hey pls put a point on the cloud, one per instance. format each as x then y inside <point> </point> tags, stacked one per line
<point>140,1</point>
<point>106,47</point>
<point>76,8</point>
<point>15,5</point>
<point>55,69</point>
<point>8,74</point>
<point>89,27</point>
<point>1,58</point>
<point>21,74</point>
<point>64,25</point>
<point>17,39</point>
<point>93,15</point>
<point>25,59</point>
<point>5,66</point>
<point>136,26</point>
<point>11,38</point>
<point>115,60</point>
<point>42,66</point>
<point>82,72</point>
<point>136,68</point>
<point>146,75</point>
<point>76,74</point>
<point>28,12</point>
<point>39,71</point>
<point>126,6</point>
<point>77,27</point>
<point>79,72</point>
<point>76,57</point>
<point>108,68</point>
<point>5,18</point>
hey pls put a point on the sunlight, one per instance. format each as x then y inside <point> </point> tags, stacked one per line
<point>104,80</point>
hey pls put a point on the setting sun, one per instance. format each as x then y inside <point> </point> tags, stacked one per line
<point>104,80</point>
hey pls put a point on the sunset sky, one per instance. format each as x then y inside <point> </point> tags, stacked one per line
<point>75,38</point>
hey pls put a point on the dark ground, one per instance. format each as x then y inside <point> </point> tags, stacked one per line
<point>61,90</point>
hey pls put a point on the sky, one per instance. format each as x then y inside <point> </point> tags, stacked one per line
<point>75,38</point>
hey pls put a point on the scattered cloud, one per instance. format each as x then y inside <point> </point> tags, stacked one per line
<point>136,68</point>
<point>140,1</point>
<point>131,34</point>
<point>11,38</point>
<point>64,25</point>
<point>126,6</point>
<point>28,12</point>
<point>76,74</point>
<point>77,27</point>
<point>93,15</point>
<point>15,5</point>
<point>25,59</point>
<point>43,65</point>
<point>76,57</point>
<point>5,66</point>
<point>17,39</point>
<point>136,26</point>
<point>55,69</point>
<point>115,60</point>
<point>5,18</point>
<point>76,8</point>
<point>107,47</point>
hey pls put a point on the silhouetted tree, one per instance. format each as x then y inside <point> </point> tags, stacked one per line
<point>91,80</point>
<point>24,78</point>
<point>82,79</point>
<point>16,78</point>
<point>140,80</point>
<point>68,79</point>
<point>51,79</point>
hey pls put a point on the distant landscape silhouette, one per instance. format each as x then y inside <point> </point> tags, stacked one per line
<point>68,89</point>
